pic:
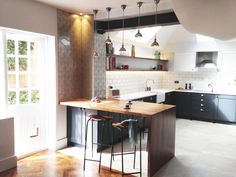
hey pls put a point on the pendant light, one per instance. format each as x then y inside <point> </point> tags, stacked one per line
<point>138,34</point>
<point>155,43</point>
<point>108,40</point>
<point>95,11</point>
<point>122,49</point>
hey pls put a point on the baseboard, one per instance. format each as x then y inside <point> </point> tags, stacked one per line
<point>7,163</point>
<point>61,143</point>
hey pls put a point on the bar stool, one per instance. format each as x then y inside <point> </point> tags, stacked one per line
<point>103,120</point>
<point>121,126</point>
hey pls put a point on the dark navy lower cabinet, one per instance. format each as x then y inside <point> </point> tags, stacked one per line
<point>206,107</point>
<point>226,111</point>
<point>170,98</point>
<point>203,106</point>
<point>183,104</point>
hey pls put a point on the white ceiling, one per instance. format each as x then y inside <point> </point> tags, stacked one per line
<point>87,6</point>
<point>215,18</point>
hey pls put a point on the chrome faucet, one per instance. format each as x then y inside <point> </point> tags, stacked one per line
<point>211,87</point>
<point>148,88</point>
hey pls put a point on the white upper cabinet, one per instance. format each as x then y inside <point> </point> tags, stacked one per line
<point>228,61</point>
<point>185,61</point>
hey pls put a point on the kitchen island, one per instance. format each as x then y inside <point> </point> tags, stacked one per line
<point>161,130</point>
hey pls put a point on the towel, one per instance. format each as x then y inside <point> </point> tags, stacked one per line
<point>133,131</point>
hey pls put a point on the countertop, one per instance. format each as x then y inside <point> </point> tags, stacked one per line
<point>222,92</point>
<point>117,106</point>
<point>138,95</point>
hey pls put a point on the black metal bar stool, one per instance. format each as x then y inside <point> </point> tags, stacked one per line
<point>103,120</point>
<point>121,126</point>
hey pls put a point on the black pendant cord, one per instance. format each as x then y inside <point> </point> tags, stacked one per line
<point>108,40</point>
<point>139,15</point>
<point>156,18</point>
<point>122,49</point>
<point>95,11</point>
<point>108,25</point>
<point>123,27</point>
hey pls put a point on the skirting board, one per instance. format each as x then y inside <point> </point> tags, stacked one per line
<point>61,143</point>
<point>7,163</point>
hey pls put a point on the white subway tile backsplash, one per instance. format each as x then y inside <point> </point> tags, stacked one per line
<point>129,82</point>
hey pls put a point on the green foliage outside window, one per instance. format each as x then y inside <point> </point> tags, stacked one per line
<point>34,96</point>
<point>23,97</point>
<point>11,97</point>
<point>10,47</point>
<point>11,64</point>
<point>32,46</point>
<point>22,47</point>
<point>23,64</point>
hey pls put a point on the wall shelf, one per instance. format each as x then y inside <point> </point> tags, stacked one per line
<point>128,63</point>
<point>136,58</point>
<point>123,70</point>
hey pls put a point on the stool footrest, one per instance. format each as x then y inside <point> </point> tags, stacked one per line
<point>125,153</point>
<point>132,173</point>
<point>92,160</point>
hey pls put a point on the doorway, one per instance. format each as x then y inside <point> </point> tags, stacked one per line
<point>26,88</point>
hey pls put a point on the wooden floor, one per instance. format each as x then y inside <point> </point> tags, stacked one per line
<point>55,164</point>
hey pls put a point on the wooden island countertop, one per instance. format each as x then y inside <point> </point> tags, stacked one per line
<point>142,109</point>
<point>161,129</point>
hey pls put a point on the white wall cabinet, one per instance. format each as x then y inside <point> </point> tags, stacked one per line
<point>228,61</point>
<point>185,61</point>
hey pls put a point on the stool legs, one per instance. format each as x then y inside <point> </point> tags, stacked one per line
<point>100,159</point>
<point>134,155</point>
<point>85,148</point>
<point>122,154</point>
<point>112,148</point>
<point>101,144</point>
<point>140,151</point>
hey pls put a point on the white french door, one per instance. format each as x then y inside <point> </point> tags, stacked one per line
<point>25,93</point>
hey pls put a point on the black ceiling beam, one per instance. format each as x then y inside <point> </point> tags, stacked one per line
<point>163,19</point>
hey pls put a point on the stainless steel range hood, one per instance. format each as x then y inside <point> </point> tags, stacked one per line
<point>207,59</point>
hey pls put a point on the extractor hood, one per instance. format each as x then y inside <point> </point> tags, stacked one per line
<point>207,59</point>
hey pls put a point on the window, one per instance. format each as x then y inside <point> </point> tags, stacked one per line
<point>23,63</point>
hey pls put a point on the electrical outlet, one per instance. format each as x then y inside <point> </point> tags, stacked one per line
<point>176,82</point>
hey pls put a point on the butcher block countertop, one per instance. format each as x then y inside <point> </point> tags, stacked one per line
<point>117,106</point>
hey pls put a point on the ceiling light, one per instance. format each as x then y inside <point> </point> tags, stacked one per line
<point>108,40</point>
<point>138,34</point>
<point>95,11</point>
<point>122,49</point>
<point>155,43</point>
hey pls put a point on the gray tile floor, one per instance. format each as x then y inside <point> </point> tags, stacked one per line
<point>203,149</point>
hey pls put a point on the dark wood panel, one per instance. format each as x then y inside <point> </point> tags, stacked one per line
<point>166,18</point>
<point>161,140</point>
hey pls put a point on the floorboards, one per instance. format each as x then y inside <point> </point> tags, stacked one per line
<point>203,149</point>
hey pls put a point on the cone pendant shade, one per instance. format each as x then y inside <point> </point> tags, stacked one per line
<point>138,34</point>
<point>155,43</point>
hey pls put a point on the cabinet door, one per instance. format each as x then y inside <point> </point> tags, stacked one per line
<point>170,98</point>
<point>226,108</point>
<point>183,105</point>
<point>228,61</point>
<point>185,61</point>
